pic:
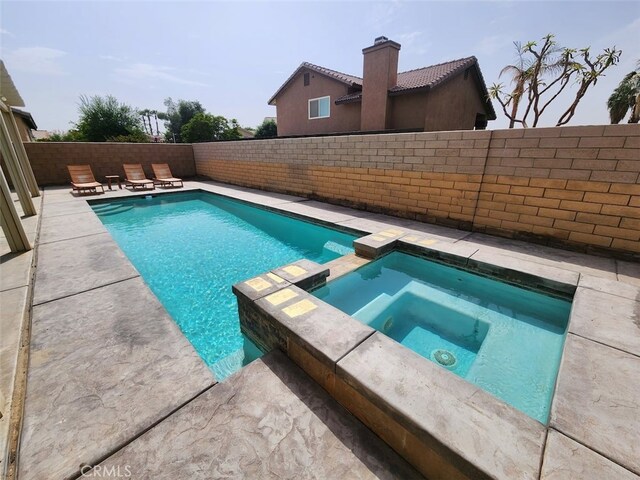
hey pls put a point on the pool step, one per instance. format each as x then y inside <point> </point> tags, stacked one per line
<point>111,209</point>
<point>337,248</point>
<point>371,310</point>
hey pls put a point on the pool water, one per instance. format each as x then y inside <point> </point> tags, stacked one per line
<point>191,247</point>
<point>505,339</point>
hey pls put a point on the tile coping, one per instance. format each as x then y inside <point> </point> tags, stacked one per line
<point>545,278</point>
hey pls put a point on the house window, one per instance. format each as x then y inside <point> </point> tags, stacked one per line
<point>319,107</point>
<point>306,79</point>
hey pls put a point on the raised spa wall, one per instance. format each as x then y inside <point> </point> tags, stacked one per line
<point>443,425</point>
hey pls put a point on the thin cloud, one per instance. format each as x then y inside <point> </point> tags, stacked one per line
<point>407,39</point>
<point>38,60</point>
<point>626,39</point>
<point>112,58</point>
<point>382,14</point>
<point>413,41</point>
<point>146,71</point>
<point>494,43</point>
<point>6,32</point>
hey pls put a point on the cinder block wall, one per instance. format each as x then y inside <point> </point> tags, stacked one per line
<point>49,160</point>
<point>574,186</point>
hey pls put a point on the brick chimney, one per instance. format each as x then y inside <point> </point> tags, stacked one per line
<point>380,73</point>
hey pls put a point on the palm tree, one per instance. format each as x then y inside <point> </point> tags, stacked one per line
<point>155,114</point>
<point>527,72</point>
<point>626,97</point>
<point>519,75</point>
<point>143,114</point>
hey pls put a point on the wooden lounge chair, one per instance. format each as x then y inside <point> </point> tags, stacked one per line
<point>134,176</point>
<point>163,177</point>
<point>82,179</point>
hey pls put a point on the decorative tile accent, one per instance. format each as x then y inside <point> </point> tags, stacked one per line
<point>275,277</point>
<point>294,270</point>
<point>258,284</point>
<point>299,308</point>
<point>281,296</point>
<point>427,242</point>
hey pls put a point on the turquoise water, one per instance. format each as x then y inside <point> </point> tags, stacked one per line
<point>191,247</point>
<point>505,339</point>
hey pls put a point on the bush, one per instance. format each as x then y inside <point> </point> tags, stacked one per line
<point>70,136</point>
<point>136,137</point>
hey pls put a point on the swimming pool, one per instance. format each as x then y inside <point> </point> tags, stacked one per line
<point>505,339</point>
<point>191,247</point>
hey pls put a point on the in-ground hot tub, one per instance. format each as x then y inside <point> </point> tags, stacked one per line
<point>503,338</point>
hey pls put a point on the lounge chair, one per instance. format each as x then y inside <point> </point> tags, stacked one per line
<point>163,177</point>
<point>134,176</point>
<point>82,179</point>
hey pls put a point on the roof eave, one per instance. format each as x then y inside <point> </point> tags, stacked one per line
<point>26,116</point>
<point>482,87</point>
<point>348,100</point>
<point>272,100</point>
<point>405,91</point>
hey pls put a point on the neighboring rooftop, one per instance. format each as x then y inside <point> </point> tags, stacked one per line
<point>350,80</point>
<point>432,75</point>
<point>421,79</point>
<point>26,116</point>
<point>409,81</point>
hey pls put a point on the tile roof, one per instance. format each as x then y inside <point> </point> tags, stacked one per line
<point>426,77</point>
<point>343,77</point>
<point>432,75</point>
<point>350,80</point>
<point>418,79</point>
<point>349,98</point>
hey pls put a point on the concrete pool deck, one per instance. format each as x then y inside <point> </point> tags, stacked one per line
<point>15,278</point>
<point>111,378</point>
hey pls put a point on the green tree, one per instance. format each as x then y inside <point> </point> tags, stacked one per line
<point>544,72</point>
<point>102,118</point>
<point>178,114</point>
<point>625,97</point>
<point>228,130</point>
<point>199,129</point>
<point>268,129</point>
<point>205,127</point>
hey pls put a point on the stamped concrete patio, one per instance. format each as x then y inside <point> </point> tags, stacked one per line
<point>112,381</point>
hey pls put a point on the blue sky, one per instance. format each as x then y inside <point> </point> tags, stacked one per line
<point>232,56</point>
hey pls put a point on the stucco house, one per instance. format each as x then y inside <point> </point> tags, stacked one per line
<point>447,96</point>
